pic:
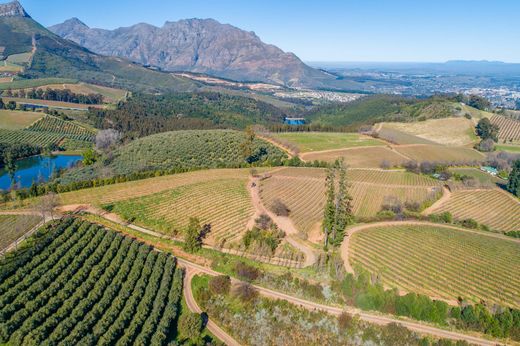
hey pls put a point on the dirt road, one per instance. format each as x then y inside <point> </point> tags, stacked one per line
<point>194,307</point>
<point>284,223</point>
<point>194,269</point>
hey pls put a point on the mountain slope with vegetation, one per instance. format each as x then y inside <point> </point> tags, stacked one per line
<point>59,58</point>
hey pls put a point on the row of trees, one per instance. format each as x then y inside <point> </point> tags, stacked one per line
<point>488,134</point>
<point>62,95</point>
<point>513,184</point>
<point>338,213</point>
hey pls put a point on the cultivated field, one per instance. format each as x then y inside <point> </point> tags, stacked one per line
<point>37,138</point>
<point>12,227</point>
<point>491,207</point>
<point>393,135</point>
<point>441,262</point>
<point>34,83</point>
<point>225,204</point>
<point>303,191</point>
<point>440,153</point>
<point>119,192</point>
<point>484,179</point>
<point>369,157</point>
<point>69,129</point>
<point>509,128</point>
<point>319,141</point>
<point>448,131</point>
<point>16,120</point>
<point>22,58</point>
<point>83,284</point>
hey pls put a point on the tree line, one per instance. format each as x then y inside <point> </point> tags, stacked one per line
<point>62,95</point>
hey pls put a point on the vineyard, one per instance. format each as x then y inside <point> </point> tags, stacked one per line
<point>225,204</point>
<point>184,149</point>
<point>84,284</point>
<point>42,139</point>
<point>441,262</point>
<point>395,136</point>
<point>12,227</point>
<point>68,129</point>
<point>492,207</point>
<point>119,192</point>
<point>448,131</point>
<point>303,191</point>
<point>318,141</point>
<point>509,128</point>
<point>438,153</point>
<point>369,157</point>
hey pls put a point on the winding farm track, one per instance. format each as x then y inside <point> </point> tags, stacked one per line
<point>194,307</point>
<point>284,223</point>
<point>193,269</point>
<point>346,242</point>
<point>446,195</point>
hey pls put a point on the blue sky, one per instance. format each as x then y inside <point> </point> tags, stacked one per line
<point>328,30</point>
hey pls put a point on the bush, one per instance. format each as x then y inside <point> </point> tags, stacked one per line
<point>469,223</point>
<point>220,284</point>
<point>190,324</point>
<point>246,272</point>
<point>245,292</point>
<point>279,208</point>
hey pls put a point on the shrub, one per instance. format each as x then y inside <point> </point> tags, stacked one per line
<point>190,324</point>
<point>469,223</point>
<point>220,284</point>
<point>279,208</point>
<point>246,272</point>
<point>345,321</point>
<point>245,292</point>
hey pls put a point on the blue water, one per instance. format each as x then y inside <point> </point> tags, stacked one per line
<point>37,169</point>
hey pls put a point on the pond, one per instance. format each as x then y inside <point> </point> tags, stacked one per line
<point>37,169</point>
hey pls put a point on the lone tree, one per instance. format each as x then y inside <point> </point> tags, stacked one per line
<point>338,213</point>
<point>194,235</point>
<point>190,325</point>
<point>513,184</point>
<point>486,130</point>
<point>248,145</point>
<point>107,140</point>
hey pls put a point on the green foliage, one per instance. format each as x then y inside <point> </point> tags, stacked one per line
<point>181,150</point>
<point>191,325</point>
<point>478,102</point>
<point>486,130</point>
<point>82,284</point>
<point>338,213</point>
<point>144,115</point>
<point>513,184</point>
<point>89,157</point>
<point>193,235</point>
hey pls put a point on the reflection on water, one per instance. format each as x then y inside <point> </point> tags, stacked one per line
<point>36,169</point>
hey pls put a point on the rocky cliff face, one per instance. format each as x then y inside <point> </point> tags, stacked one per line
<point>12,9</point>
<point>197,45</point>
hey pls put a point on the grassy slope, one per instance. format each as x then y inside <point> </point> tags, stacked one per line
<point>317,141</point>
<point>15,120</point>
<point>440,262</point>
<point>13,227</point>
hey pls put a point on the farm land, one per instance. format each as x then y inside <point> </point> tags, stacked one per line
<point>15,120</point>
<point>319,141</point>
<point>509,129</point>
<point>12,227</point>
<point>441,262</point>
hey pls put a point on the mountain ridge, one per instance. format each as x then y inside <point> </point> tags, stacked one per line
<point>197,45</point>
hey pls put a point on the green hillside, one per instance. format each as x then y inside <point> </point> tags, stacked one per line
<point>179,150</point>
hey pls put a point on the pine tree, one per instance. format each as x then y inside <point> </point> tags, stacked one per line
<point>344,209</point>
<point>513,185</point>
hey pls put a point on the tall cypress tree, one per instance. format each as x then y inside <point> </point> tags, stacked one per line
<point>513,185</point>
<point>330,207</point>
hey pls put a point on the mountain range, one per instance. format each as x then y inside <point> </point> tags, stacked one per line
<point>197,45</point>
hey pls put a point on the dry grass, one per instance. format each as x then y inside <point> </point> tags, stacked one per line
<point>438,153</point>
<point>441,262</point>
<point>448,131</point>
<point>119,192</point>
<point>367,157</point>
<point>492,207</point>
<point>16,120</point>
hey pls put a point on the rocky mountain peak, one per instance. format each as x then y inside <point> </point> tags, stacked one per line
<point>12,9</point>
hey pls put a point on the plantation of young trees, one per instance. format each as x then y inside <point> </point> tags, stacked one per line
<point>81,284</point>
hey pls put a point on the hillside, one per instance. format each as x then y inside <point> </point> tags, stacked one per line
<point>179,150</point>
<point>56,57</point>
<point>197,45</point>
